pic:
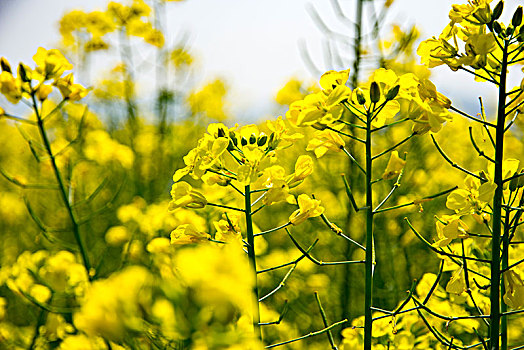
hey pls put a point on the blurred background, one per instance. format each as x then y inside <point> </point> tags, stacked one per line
<point>255,46</point>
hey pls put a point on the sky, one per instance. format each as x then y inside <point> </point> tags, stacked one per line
<point>253,44</point>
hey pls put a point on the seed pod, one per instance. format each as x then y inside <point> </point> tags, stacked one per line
<point>374,92</point>
<point>517,17</point>
<point>497,11</point>
<point>392,93</point>
<point>5,65</point>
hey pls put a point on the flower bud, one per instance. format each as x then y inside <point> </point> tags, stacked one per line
<point>497,28</point>
<point>374,92</point>
<point>497,11</point>
<point>520,37</point>
<point>262,140</point>
<point>392,93</point>
<point>43,91</point>
<point>514,183</point>
<point>517,17</point>
<point>22,73</point>
<point>520,182</point>
<point>233,138</point>
<point>361,99</point>
<point>6,67</point>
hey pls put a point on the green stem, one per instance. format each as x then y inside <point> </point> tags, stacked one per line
<point>368,298</point>
<point>252,259</point>
<point>62,188</point>
<point>497,209</point>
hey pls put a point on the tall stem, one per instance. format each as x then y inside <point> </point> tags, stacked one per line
<point>346,294</point>
<point>62,188</point>
<point>252,258</point>
<point>497,207</point>
<point>369,241</point>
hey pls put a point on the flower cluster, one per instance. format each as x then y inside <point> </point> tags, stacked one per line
<point>50,66</point>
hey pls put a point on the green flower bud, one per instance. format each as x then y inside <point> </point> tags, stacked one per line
<point>483,176</point>
<point>243,141</point>
<point>497,11</point>
<point>262,140</point>
<point>22,73</point>
<point>520,37</point>
<point>517,17</point>
<point>520,182</point>
<point>497,28</point>
<point>514,183</point>
<point>374,92</point>
<point>5,65</point>
<point>392,93</point>
<point>233,138</point>
<point>361,99</point>
<point>252,139</point>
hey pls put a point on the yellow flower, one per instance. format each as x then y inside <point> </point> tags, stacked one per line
<point>434,52</point>
<point>70,91</point>
<point>303,168</point>
<point>473,199</point>
<point>394,167</point>
<point>50,64</point>
<point>307,208</point>
<point>43,91</point>
<point>278,188</point>
<point>180,57</point>
<point>210,101</point>
<point>10,87</point>
<point>228,228</point>
<point>514,287</point>
<point>325,140</point>
<point>186,234</point>
<point>113,306</point>
<point>450,227</point>
<point>159,245</point>
<point>331,79</point>
<point>457,283</point>
<point>183,196</point>
<point>117,235</point>
<point>424,104</point>
<point>291,92</point>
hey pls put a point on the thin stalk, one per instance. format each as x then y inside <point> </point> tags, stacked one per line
<point>325,321</point>
<point>497,209</point>
<point>252,259</point>
<point>309,335</point>
<point>368,298</point>
<point>62,188</point>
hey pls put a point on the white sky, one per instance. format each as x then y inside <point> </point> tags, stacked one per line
<point>251,43</point>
